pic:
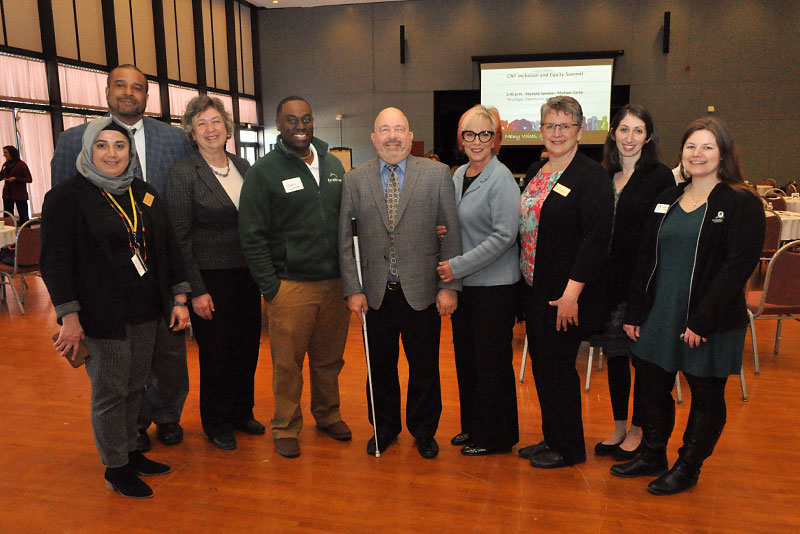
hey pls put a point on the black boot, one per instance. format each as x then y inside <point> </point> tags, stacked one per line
<point>143,466</point>
<point>652,459</point>
<point>702,433</point>
<point>124,481</point>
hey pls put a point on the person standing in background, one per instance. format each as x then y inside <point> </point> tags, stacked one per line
<point>17,176</point>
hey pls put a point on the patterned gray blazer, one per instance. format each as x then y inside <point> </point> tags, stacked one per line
<point>204,219</point>
<point>427,199</point>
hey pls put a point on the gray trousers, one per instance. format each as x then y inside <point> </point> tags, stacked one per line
<point>168,383</point>
<point>118,370</point>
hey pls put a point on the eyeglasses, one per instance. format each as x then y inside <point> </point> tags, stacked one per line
<point>565,127</point>
<point>484,136</point>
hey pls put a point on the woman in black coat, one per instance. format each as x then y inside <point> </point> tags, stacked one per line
<point>565,228</point>
<point>630,157</point>
<point>203,199</point>
<point>17,176</point>
<point>686,310</point>
<point>111,265</point>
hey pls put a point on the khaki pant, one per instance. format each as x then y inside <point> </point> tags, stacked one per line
<point>306,317</point>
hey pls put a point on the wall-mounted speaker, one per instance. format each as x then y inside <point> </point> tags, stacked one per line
<point>402,44</point>
<point>665,37</point>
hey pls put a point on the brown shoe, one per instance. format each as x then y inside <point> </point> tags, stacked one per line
<point>287,447</point>
<point>338,430</point>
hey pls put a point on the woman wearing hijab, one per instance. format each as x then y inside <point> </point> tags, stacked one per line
<point>112,268</point>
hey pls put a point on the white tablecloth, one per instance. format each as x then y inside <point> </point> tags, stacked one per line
<point>793,204</point>
<point>7,235</point>
<point>790,225</point>
<point>763,189</point>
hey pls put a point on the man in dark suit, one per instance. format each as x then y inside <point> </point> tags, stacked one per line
<point>401,292</point>
<point>158,147</point>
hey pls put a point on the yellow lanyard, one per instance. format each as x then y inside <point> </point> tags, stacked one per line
<point>131,225</point>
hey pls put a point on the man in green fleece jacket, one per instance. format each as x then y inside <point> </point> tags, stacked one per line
<point>288,224</point>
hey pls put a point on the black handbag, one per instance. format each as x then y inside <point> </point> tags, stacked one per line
<point>7,254</point>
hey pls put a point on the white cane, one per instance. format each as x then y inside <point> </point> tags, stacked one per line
<point>357,254</point>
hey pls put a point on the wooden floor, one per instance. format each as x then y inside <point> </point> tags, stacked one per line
<point>51,478</point>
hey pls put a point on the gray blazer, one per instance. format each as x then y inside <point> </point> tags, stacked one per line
<point>204,219</point>
<point>427,199</point>
<point>165,145</point>
<point>489,216</point>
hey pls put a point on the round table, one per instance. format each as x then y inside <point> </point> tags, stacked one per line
<point>7,235</point>
<point>792,204</point>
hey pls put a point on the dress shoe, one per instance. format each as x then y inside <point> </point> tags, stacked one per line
<point>383,443</point>
<point>548,459</point>
<point>621,455</point>
<point>472,450</point>
<point>461,439</point>
<point>125,482</point>
<point>142,441</point>
<point>225,441</point>
<point>647,464</point>
<point>428,448</point>
<point>251,427</point>
<point>532,450</point>
<point>287,447</point>
<point>170,433</point>
<point>146,467</point>
<point>338,431</point>
<point>601,449</point>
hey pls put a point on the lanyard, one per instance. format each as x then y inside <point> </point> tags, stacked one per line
<point>130,226</point>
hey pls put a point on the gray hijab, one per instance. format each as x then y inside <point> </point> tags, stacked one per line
<point>113,184</point>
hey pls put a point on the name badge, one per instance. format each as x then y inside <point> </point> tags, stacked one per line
<point>562,190</point>
<point>148,199</point>
<point>661,208</point>
<point>293,184</point>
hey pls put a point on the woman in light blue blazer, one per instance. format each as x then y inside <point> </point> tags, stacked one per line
<point>488,211</point>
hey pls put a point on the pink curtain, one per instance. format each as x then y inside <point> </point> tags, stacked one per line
<point>36,149</point>
<point>178,99</point>
<point>23,79</point>
<point>7,128</point>
<point>84,88</point>
<point>247,111</point>
<point>71,121</point>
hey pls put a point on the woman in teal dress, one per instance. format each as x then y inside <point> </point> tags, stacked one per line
<point>687,308</point>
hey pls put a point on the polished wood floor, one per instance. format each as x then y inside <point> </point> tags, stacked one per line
<point>51,479</point>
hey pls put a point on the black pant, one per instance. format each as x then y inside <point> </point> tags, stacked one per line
<point>228,352</point>
<point>22,208</point>
<point>708,393</point>
<point>619,388</point>
<point>483,328</point>
<point>419,331</point>
<point>558,385</point>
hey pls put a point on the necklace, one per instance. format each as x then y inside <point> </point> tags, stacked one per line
<point>309,155</point>
<point>227,169</point>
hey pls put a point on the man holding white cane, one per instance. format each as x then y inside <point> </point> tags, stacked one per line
<point>398,201</point>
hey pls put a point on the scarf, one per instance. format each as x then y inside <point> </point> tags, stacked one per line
<point>113,184</point>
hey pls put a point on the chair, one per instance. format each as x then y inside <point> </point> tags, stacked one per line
<point>10,220</point>
<point>780,297</point>
<point>791,189</point>
<point>776,203</point>
<point>770,182</point>
<point>26,261</point>
<point>772,237</point>
<point>774,192</point>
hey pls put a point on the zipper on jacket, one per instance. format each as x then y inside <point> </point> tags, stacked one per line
<point>694,264</point>
<point>658,236</point>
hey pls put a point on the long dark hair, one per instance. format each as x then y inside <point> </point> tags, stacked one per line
<point>13,152</point>
<point>728,170</point>
<point>650,152</point>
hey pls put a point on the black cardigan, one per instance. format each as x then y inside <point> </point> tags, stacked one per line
<point>574,233</point>
<point>728,249</point>
<point>635,203</point>
<point>76,262</point>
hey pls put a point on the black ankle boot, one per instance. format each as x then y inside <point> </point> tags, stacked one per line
<point>143,466</point>
<point>652,460</point>
<point>126,483</point>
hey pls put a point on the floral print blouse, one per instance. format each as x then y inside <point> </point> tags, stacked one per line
<point>530,210</point>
